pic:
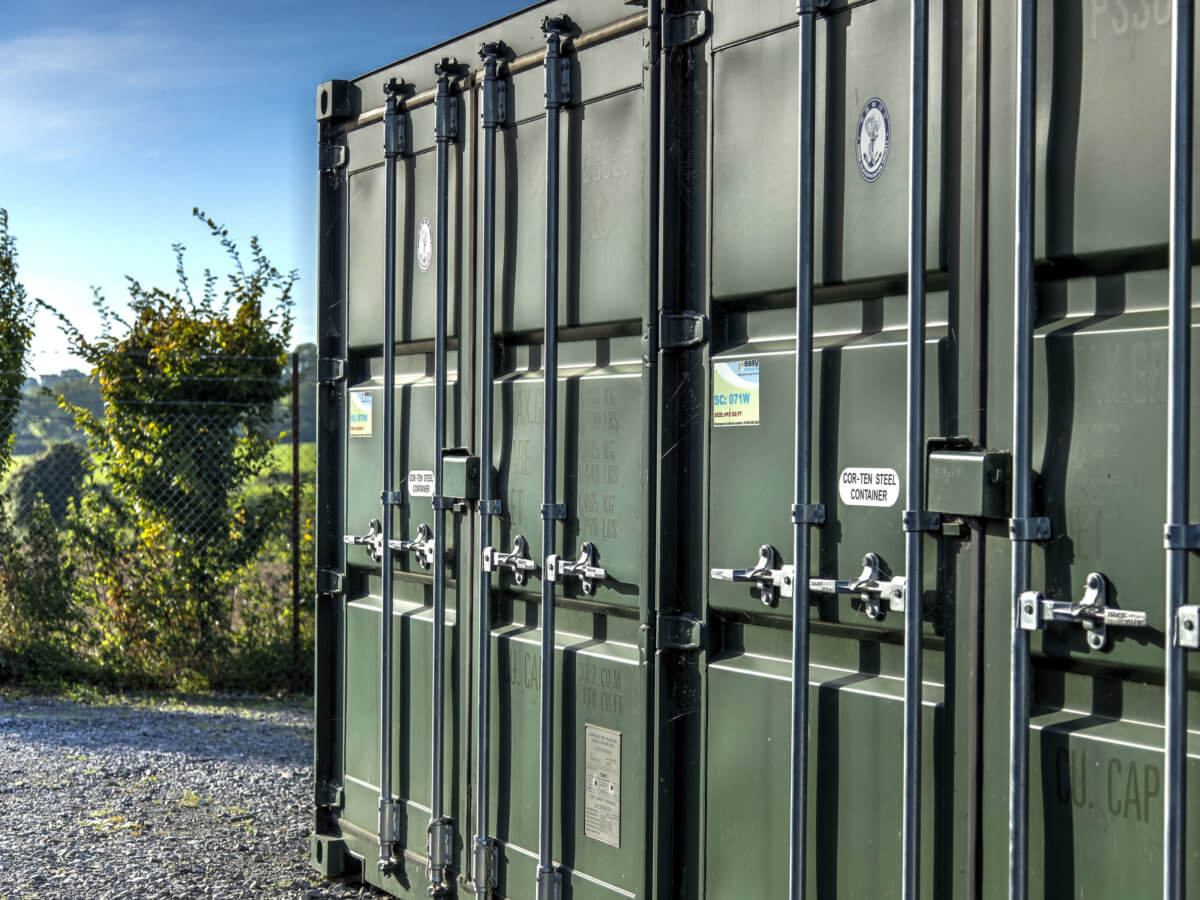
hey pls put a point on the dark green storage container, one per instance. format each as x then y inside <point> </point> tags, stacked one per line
<point>676,420</point>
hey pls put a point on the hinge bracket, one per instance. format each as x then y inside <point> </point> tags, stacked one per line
<point>681,632</point>
<point>680,330</point>
<point>331,370</point>
<point>330,581</point>
<point>331,157</point>
<point>683,28</point>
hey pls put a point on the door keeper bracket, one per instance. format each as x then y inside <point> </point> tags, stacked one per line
<point>1035,529</point>
<point>808,514</point>
<point>1187,627</point>
<point>1092,612</point>
<point>1181,537</point>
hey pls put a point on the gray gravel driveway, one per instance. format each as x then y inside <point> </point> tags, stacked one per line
<point>134,799</point>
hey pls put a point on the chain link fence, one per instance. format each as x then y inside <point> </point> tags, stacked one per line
<point>186,521</point>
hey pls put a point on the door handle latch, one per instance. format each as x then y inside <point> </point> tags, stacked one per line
<point>583,568</point>
<point>876,594</point>
<point>1092,612</point>
<point>422,545</point>
<point>771,579</point>
<point>517,560</point>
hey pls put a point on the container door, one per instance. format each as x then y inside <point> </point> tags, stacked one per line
<point>601,789</point>
<point>412,620</point>
<point>1096,797</point>
<point>855,680</point>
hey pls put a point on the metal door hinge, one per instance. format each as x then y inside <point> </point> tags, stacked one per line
<point>331,370</point>
<point>331,158</point>
<point>1187,627</point>
<point>680,632</point>
<point>583,568</point>
<point>680,330</point>
<point>1092,612</point>
<point>486,862</point>
<point>330,795</point>
<point>440,847</point>
<point>330,581</point>
<point>682,28</point>
<point>516,560</point>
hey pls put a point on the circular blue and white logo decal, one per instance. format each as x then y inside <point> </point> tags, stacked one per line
<point>424,246</point>
<point>874,139</point>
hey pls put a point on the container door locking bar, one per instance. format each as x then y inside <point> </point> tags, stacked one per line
<point>875,592</point>
<point>1178,615</point>
<point>584,568</point>
<point>1092,612</point>
<point>393,146</point>
<point>422,545</point>
<point>516,560</point>
<point>558,93</point>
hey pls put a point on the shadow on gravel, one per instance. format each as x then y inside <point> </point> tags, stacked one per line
<point>230,733</point>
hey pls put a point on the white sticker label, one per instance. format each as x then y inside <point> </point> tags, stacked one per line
<point>360,414</point>
<point>602,793</point>
<point>420,483</point>
<point>735,392</point>
<point>869,487</point>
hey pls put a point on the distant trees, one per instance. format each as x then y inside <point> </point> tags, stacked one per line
<point>16,333</point>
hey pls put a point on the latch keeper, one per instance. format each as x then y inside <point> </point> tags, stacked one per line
<point>1187,627</point>
<point>1034,529</point>
<point>921,520</point>
<point>808,513</point>
<point>1181,537</point>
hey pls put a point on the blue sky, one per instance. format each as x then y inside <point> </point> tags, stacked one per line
<point>119,117</point>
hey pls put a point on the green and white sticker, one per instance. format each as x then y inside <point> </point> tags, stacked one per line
<point>360,414</point>
<point>735,392</point>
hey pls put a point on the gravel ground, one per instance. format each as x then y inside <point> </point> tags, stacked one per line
<point>133,799</point>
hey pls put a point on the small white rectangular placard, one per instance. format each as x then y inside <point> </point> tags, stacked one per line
<point>860,486</point>
<point>420,483</point>
<point>602,792</point>
<point>360,414</point>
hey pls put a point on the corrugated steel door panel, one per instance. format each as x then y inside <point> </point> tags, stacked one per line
<point>861,225</point>
<point>1104,118</point>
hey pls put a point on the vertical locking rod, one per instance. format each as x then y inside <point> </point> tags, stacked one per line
<point>491,120</point>
<point>391,150</point>
<point>444,134</point>
<point>1022,466</point>
<point>1178,449</point>
<point>914,524</point>
<point>802,451</point>
<point>547,875</point>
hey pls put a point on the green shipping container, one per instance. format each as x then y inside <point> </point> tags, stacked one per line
<point>578,246</point>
